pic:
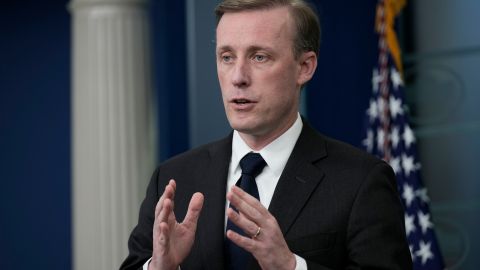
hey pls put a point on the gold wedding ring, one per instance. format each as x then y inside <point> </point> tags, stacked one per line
<point>257,233</point>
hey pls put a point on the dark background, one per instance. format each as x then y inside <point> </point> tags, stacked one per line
<point>35,135</point>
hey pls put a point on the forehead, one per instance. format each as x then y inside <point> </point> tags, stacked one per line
<point>266,27</point>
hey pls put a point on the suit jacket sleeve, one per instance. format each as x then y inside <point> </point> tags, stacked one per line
<point>375,232</point>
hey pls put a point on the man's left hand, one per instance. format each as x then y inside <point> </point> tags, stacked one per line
<point>266,242</point>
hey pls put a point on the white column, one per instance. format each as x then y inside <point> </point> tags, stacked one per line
<point>113,130</point>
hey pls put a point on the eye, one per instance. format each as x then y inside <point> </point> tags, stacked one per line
<point>227,58</point>
<point>260,58</point>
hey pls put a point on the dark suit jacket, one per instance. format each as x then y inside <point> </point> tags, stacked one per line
<point>337,207</point>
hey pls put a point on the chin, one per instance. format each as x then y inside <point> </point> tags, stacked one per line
<point>247,125</point>
<point>242,126</point>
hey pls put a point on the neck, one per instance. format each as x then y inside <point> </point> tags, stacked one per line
<point>258,141</point>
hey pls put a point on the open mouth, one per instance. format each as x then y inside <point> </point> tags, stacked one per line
<point>241,101</point>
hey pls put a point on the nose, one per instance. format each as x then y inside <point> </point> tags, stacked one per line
<point>240,75</point>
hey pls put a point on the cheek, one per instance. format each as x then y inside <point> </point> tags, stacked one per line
<point>286,75</point>
<point>221,76</point>
<point>221,72</point>
<point>284,94</point>
<point>222,83</point>
<point>284,84</point>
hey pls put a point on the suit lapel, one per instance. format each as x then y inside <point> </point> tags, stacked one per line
<point>299,179</point>
<point>211,225</point>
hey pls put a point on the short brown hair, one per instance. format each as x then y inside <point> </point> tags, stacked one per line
<point>305,18</point>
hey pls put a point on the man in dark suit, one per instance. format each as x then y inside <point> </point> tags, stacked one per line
<point>318,203</point>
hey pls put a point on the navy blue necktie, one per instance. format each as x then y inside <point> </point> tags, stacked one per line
<point>252,165</point>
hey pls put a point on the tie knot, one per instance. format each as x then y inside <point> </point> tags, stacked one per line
<point>252,164</point>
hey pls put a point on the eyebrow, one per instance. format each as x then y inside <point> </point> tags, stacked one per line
<point>250,49</point>
<point>224,48</point>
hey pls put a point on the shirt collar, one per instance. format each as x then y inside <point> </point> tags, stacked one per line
<point>275,154</point>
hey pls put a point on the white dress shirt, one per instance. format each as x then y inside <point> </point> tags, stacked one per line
<point>276,155</point>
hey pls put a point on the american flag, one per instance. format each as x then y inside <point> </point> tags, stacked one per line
<point>390,137</point>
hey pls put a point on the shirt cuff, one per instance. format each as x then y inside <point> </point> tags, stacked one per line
<point>301,263</point>
<point>145,265</point>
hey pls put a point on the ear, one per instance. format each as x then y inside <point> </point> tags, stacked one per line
<point>308,65</point>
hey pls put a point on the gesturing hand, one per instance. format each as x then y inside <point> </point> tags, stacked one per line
<point>172,241</point>
<point>266,244</point>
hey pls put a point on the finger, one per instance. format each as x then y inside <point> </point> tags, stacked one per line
<point>159,205</point>
<point>163,210</point>
<point>249,227</point>
<point>166,211</point>
<point>171,218</point>
<point>158,209</point>
<point>194,209</point>
<point>244,242</point>
<point>252,209</point>
<point>249,199</point>
<point>169,192</point>
<point>173,185</point>
<point>164,237</point>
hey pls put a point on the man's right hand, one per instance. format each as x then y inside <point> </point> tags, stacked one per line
<point>172,241</point>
